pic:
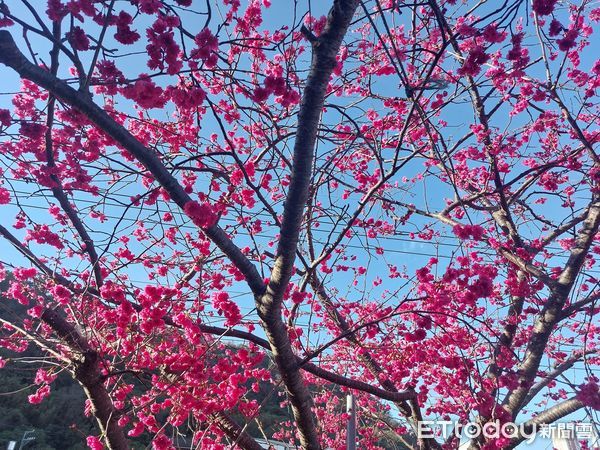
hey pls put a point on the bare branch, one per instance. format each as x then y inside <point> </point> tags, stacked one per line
<point>11,56</point>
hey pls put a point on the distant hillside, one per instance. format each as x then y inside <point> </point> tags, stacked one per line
<point>58,422</point>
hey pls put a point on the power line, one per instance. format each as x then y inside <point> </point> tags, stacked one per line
<point>395,237</point>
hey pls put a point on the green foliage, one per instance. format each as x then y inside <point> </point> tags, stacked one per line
<point>59,422</point>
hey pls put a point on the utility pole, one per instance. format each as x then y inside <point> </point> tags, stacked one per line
<point>351,430</point>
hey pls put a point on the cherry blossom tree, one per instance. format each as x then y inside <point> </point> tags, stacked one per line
<point>398,200</point>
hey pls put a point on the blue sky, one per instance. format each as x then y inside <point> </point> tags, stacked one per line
<point>400,250</point>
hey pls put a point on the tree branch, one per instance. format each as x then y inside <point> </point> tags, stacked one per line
<point>236,433</point>
<point>549,416</point>
<point>12,57</point>
<point>551,312</point>
<point>269,305</point>
<point>87,373</point>
<point>558,370</point>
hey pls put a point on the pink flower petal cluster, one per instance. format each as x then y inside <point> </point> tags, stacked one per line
<point>202,214</point>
